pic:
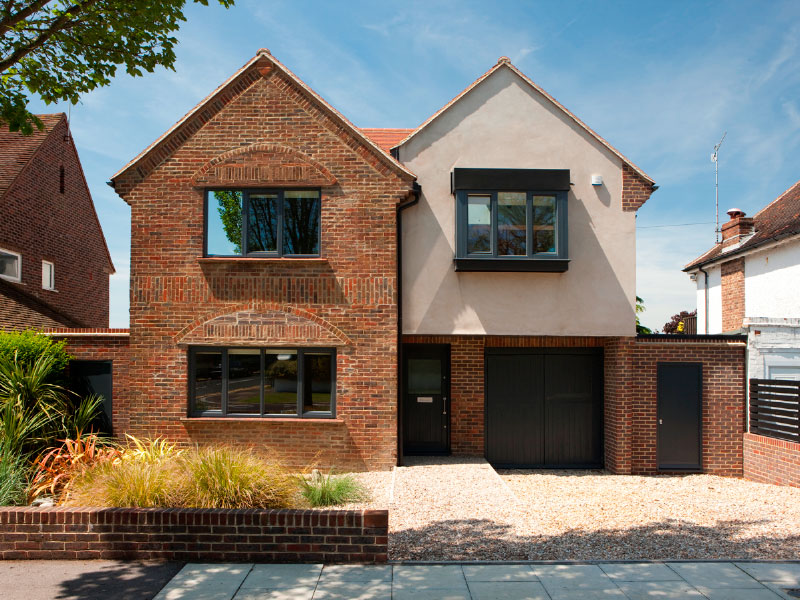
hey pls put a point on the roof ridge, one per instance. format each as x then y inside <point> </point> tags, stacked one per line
<point>778,199</point>
<point>504,61</point>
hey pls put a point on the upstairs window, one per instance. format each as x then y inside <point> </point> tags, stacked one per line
<point>262,223</point>
<point>510,229</point>
<point>10,265</point>
<point>48,275</point>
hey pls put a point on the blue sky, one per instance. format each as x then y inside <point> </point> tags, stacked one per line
<point>661,81</point>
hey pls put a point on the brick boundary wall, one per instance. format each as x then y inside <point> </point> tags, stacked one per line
<point>213,535</point>
<point>769,460</point>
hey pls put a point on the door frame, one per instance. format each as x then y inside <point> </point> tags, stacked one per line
<point>596,351</point>
<point>699,468</point>
<point>443,351</point>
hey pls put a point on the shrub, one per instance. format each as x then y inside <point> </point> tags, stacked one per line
<point>59,467</point>
<point>150,451</point>
<point>224,477</point>
<point>129,483</point>
<point>330,489</point>
<point>13,479</point>
<point>29,345</point>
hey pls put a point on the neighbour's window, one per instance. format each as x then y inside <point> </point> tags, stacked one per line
<point>10,265</point>
<point>511,225</point>
<point>262,223</point>
<point>48,275</point>
<point>259,382</point>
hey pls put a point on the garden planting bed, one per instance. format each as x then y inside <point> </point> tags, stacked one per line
<point>196,535</point>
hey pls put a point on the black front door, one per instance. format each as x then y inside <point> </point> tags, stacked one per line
<point>680,413</point>
<point>426,403</point>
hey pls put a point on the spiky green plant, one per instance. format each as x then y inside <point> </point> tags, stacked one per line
<point>150,451</point>
<point>329,489</point>
<point>13,479</point>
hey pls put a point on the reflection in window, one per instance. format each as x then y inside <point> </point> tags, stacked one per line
<point>317,381</point>
<point>280,382</point>
<point>544,221</point>
<point>512,223</point>
<point>224,213</point>
<point>244,380</point>
<point>301,223</point>
<point>208,381</point>
<point>424,376</point>
<point>479,224</point>
<point>262,223</point>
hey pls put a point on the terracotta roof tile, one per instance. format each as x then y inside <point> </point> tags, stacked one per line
<point>19,310</point>
<point>386,138</point>
<point>779,219</point>
<point>17,149</point>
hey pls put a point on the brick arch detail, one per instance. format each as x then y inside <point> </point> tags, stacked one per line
<point>262,323</point>
<point>263,163</point>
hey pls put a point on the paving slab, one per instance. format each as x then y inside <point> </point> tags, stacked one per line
<point>430,594</point>
<point>295,593</point>
<point>498,572</point>
<point>639,572</point>
<point>282,576</point>
<point>761,593</point>
<point>507,590</point>
<point>786,573</point>
<point>558,578</point>
<point>429,576</point>
<point>578,594</point>
<point>661,590</point>
<point>714,575</point>
<point>205,582</point>
<point>364,573</point>
<point>353,590</point>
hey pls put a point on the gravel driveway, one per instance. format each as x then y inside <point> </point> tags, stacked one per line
<point>460,509</point>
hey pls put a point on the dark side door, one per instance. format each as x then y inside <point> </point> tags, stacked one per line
<point>680,416</point>
<point>426,399</point>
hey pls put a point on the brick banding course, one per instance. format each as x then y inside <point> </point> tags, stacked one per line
<point>209,535</point>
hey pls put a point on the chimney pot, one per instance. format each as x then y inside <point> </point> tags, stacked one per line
<point>735,213</point>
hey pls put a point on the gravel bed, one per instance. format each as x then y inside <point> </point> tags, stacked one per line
<point>591,515</point>
<point>378,485</point>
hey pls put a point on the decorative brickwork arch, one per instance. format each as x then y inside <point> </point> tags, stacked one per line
<point>262,324</point>
<point>262,164</point>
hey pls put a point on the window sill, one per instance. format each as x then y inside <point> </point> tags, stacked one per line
<point>520,265</point>
<point>258,419</point>
<point>212,260</point>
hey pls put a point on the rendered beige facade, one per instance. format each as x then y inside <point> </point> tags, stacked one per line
<point>504,122</point>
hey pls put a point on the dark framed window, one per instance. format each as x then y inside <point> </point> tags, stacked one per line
<point>262,222</point>
<point>511,230</point>
<point>262,382</point>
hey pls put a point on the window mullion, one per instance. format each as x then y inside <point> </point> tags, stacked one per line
<point>300,381</point>
<point>493,228</point>
<point>245,212</point>
<point>529,224</point>
<point>262,380</point>
<point>280,223</point>
<point>224,403</point>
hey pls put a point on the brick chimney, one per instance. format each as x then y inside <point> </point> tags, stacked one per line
<point>738,227</point>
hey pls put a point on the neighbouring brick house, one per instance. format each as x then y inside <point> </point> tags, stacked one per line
<point>353,296</point>
<point>54,263</point>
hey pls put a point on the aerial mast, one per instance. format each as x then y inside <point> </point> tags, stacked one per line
<point>715,160</point>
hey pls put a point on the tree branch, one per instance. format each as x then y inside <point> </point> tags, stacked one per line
<point>56,26</point>
<point>9,22</point>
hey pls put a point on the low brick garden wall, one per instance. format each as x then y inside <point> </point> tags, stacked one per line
<point>768,460</point>
<point>212,535</point>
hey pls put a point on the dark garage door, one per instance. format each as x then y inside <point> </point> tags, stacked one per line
<point>544,408</point>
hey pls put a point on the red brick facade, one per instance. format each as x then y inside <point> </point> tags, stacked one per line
<point>769,460</point>
<point>635,190</point>
<point>264,129</point>
<point>196,535</point>
<point>732,274</point>
<point>41,222</point>
<point>630,367</point>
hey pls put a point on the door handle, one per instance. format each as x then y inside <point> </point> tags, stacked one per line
<point>661,421</point>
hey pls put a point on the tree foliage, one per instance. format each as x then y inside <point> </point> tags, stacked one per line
<point>677,323</point>
<point>28,346</point>
<point>640,309</point>
<point>60,49</point>
<point>230,212</point>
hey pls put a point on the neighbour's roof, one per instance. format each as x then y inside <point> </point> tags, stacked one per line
<point>20,310</point>
<point>777,220</point>
<point>505,62</point>
<point>386,138</point>
<point>16,150</point>
<point>212,103</point>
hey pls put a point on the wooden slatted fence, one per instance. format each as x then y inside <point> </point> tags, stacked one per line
<point>775,408</point>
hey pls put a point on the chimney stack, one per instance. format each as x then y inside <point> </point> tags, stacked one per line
<point>738,227</point>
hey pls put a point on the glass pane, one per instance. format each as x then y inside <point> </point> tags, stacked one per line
<point>47,276</point>
<point>544,221</point>
<point>9,265</point>
<point>424,376</point>
<point>208,380</point>
<point>479,224</point>
<point>262,223</point>
<point>244,380</point>
<point>280,382</point>
<point>301,222</point>
<point>317,384</point>
<point>224,212</point>
<point>512,223</point>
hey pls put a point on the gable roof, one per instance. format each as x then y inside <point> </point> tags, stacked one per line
<point>21,310</point>
<point>778,220</point>
<point>213,103</point>
<point>17,150</point>
<point>386,138</point>
<point>505,62</point>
